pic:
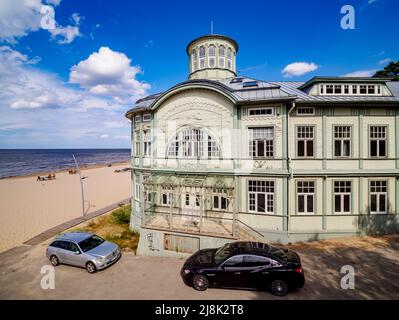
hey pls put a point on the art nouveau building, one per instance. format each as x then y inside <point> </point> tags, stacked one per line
<point>222,157</point>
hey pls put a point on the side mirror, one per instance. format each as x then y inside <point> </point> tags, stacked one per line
<point>77,252</point>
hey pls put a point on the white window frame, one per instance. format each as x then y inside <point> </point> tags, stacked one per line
<point>257,135</point>
<point>305,195</point>
<point>147,143</point>
<point>194,60</point>
<point>166,191</point>
<point>219,194</point>
<point>306,139</point>
<point>146,117</point>
<point>137,187</point>
<point>229,58</point>
<point>222,57</point>
<point>378,194</point>
<point>300,114</point>
<point>264,187</point>
<point>202,63</point>
<point>378,139</point>
<point>212,56</point>
<point>341,138</point>
<point>341,190</point>
<point>137,143</point>
<point>260,109</point>
<point>137,118</point>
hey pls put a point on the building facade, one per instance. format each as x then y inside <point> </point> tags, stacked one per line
<point>222,157</point>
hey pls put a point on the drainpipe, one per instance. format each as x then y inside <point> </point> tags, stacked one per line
<point>289,168</point>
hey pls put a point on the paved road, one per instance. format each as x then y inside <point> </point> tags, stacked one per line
<point>142,277</point>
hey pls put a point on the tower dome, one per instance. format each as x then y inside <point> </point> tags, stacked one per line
<point>212,57</point>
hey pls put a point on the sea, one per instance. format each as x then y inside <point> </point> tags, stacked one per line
<point>30,161</point>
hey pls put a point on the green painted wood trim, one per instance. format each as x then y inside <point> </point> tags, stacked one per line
<point>324,133</point>
<point>285,134</point>
<point>235,151</point>
<point>397,196</point>
<point>360,138</point>
<point>397,139</point>
<point>324,213</point>
<point>360,193</point>
<point>285,204</point>
<point>153,139</point>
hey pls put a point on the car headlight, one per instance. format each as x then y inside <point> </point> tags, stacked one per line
<point>100,260</point>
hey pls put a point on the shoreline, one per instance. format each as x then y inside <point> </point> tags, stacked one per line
<point>82,167</point>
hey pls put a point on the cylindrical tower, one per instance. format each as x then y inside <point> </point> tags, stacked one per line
<point>212,57</point>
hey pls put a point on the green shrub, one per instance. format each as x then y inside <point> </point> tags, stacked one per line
<point>122,215</point>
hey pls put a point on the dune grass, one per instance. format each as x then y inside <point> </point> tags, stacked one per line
<point>114,227</point>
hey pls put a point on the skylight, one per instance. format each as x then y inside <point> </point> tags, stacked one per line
<point>250,84</point>
<point>235,80</point>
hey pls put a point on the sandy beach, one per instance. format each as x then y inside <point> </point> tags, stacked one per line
<point>29,207</point>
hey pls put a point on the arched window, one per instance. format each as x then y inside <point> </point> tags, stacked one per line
<point>193,143</point>
<point>202,57</point>
<point>211,56</point>
<point>229,58</point>
<point>222,54</point>
<point>194,60</point>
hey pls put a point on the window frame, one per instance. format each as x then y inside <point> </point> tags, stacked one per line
<point>147,143</point>
<point>341,156</point>
<point>268,143</point>
<point>378,156</point>
<point>305,139</point>
<point>378,194</point>
<point>266,194</point>
<point>137,143</point>
<point>305,114</point>
<point>219,195</point>
<point>146,117</point>
<point>259,109</point>
<point>137,187</point>
<point>305,195</point>
<point>341,195</point>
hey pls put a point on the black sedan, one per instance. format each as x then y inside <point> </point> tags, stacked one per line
<point>249,265</point>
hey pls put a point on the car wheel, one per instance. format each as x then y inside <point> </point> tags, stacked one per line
<point>279,288</point>
<point>54,260</point>
<point>200,282</point>
<point>90,267</point>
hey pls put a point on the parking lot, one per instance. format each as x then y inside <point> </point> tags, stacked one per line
<point>375,260</point>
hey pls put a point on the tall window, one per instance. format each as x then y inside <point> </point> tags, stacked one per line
<point>378,196</point>
<point>342,196</point>
<point>166,195</point>
<point>305,141</point>
<point>202,57</point>
<point>305,196</point>
<point>212,56</point>
<point>261,142</point>
<point>219,197</point>
<point>342,141</point>
<point>222,54</point>
<point>194,60</point>
<point>229,58</point>
<point>137,186</point>
<point>193,143</point>
<point>378,141</point>
<point>261,196</point>
<point>137,143</point>
<point>147,142</point>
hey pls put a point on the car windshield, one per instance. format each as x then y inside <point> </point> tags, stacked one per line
<point>222,253</point>
<point>90,243</point>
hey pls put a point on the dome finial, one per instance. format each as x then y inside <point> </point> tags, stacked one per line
<point>211,27</point>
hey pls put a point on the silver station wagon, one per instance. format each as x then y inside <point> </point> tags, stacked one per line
<point>83,249</point>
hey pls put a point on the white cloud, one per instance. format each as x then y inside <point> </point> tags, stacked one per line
<point>104,136</point>
<point>109,73</point>
<point>384,61</point>
<point>360,73</point>
<point>298,69</point>
<point>38,109</point>
<point>20,17</point>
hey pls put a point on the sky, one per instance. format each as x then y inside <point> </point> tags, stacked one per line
<point>69,69</point>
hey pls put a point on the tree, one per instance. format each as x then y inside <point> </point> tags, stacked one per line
<point>390,71</point>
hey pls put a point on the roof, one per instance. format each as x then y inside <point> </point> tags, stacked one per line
<point>74,236</point>
<point>213,36</point>
<point>274,91</point>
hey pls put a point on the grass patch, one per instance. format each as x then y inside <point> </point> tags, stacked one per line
<point>114,227</point>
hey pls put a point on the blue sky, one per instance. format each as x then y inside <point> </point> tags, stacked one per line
<point>70,86</point>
